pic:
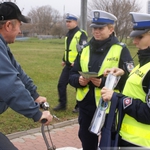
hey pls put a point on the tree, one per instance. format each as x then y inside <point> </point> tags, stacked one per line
<point>121,9</point>
<point>44,19</point>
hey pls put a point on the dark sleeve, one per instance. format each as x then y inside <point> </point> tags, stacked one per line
<point>83,38</point>
<point>126,63</point>
<point>13,91</point>
<point>74,74</point>
<point>139,110</point>
<point>136,108</point>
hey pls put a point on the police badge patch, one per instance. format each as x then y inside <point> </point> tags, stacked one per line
<point>127,102</point>
<point>130,66</point>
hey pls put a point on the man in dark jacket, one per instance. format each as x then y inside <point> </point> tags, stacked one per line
<point>17,90</point>
<point>74,38</point>
<point>103,50</point>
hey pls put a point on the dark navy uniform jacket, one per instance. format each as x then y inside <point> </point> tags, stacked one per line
<point>98,51</point>
<point>17,90</point>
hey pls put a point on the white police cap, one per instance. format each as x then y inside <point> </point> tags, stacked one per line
<point>102,18</point>
<point>141,23</point>
<point>70,16</point>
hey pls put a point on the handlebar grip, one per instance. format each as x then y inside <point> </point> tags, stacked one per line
<point>43,120</point>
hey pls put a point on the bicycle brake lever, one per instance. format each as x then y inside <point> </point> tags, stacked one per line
<point>55,117</point>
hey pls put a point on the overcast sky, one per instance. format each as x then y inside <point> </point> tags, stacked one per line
<point>63,6</point>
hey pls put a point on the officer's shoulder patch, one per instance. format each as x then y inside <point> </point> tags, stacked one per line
<point>85,45</point>
<point>127,102</point>
<point>130,66</point>
<point>81,47</point>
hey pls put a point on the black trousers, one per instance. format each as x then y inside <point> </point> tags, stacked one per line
<point>88,139</point>
<point>5,143</point>
<point>62,85</point>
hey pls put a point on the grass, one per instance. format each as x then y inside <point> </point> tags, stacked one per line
<point>41,60</point>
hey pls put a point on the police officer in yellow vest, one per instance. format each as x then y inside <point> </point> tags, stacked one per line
<point>102,50</point>
<point>74,38</point>
<point>135,98</point>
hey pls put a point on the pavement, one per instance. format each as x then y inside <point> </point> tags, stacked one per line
<point>64,136</point>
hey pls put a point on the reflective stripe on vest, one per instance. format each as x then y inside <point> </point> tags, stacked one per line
<point>132,130</point>
<point>111,60</point>
<point>72,52</point>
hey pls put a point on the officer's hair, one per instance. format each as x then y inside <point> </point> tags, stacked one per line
<point>13,21</point>
<point>111,25</point>
<point>148,32</point>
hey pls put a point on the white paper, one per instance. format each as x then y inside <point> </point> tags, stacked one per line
<point>111,81</point>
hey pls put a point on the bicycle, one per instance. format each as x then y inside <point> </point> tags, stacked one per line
<point>48,141</point>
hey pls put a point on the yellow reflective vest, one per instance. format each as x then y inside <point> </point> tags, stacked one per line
<point>72,52</point>
<point>111,60</point>
<point>131,130</point>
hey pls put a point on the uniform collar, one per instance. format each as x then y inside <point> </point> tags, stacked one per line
<point>101,46</point>
<point>144,56</point>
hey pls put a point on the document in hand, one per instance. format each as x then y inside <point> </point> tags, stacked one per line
<point>89,74</point>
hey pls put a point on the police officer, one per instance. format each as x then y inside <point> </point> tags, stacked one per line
<point>17,89</point>
<point>74,38</point>
<point>135,98</point>
<point>102,50</point>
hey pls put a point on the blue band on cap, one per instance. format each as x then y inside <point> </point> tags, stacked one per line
<point>71,18</point>
<point>144,24</point>
<point>102,20</point>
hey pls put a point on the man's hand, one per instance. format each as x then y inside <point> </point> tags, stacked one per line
<point>46,115</point>
<point>96,81</point>
<point>41,99</point>
<point>83,81</point>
